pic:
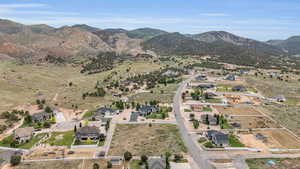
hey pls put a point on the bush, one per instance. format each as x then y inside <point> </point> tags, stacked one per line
<point>15,160</point>
<point>96,166</point>
<point>109,164</point>
<point>127,156</point>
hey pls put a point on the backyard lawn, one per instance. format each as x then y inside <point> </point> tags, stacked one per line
<point>8,141</point>
<point>61,138</point>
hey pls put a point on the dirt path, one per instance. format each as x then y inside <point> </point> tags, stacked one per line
<point>55,97</point>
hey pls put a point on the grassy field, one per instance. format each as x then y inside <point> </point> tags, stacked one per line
<point>165,97</point>
<point>284,163</point>
<point>134,164</point>
<point>65,140</point>
<point>142,139</point>
<point>66,164</point>
<point>288,116</point>
<point>23,84</point>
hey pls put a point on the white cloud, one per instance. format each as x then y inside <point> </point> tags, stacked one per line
<point>215,14</point>
<point>29,5</point>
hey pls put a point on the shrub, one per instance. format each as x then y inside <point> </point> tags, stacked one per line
<point>15,160</point>
<point>127,156</point>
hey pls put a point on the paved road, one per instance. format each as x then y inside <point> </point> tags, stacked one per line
<point>195,152</point>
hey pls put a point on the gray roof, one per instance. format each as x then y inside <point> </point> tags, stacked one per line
<point>148,109</point>
<point>239,88</point>
<point>221,138</point>
<point>40,116</point>
<point>105,110</point>
<point>88,130</point>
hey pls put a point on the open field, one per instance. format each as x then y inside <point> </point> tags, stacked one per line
<point>165,97</point>
<point>23,84</point>
<point>288,116</point>
<point>272,87</point>
<point>253,122</point>
<point>142,139</point>
<point>280,139</point>
<point>286,163</point>
<point>237,110</point>
<point>66,164</point>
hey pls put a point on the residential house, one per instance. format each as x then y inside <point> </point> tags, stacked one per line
<point>260,137</point>
<point>239,88</point>
<point>88,132</point>
<point>157,162</point>
<point>201,77</point>
<point>231,78</point>
<point>147,110</point>
<point>205,86</point>
<point>218,138</point>
<point>210,95</point>
<point>41,117</point>
<point>280,98</point>
<point>196,107</point>
<point>116,160</point>
<point>104,112</point>
<point>170,73</point>
<point>212,120</point>
<point>23,135</point>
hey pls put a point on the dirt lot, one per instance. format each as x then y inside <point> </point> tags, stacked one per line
<point>53,153</point>
<point>253,122</point>
<point>238,110</point>
<point>280,139</point>
<point>66,164</point>
<point>279,163</point>
<point>142,139</point>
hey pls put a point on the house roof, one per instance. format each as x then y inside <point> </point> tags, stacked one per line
<point>24,132</point>
<point>105,110</point>
<point>40,115</point>
<point>148,109</point>
<point>239,87</point>
<point>221,137</point>
<point>205,86</point>
<point>88,130</point>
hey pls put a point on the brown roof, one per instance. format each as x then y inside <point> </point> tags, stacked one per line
<point>24,132</point>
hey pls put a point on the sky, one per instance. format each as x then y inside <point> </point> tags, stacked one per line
<point>257,19</point>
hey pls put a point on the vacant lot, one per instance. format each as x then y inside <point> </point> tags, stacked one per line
<point>142,139</point>
<point>238,110</point>
<point>253,122</point>
<point>23,84</point>
<point>61,138</point>
<point>288,116</point>
<point>66,164</point>
<point>280,139</point>
<point>164,94</point>
<point>286,163</point>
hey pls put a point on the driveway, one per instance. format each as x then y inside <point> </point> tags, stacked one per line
<point>59,116</point>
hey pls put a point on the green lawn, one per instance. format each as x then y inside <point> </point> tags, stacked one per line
<point>88,114</point>
<point>187,110</point>
<point>215,100</point>
<point>6,142</point>
<point>202,140</point>
<point>207,109</point>
<point>134,164</point>
<point>66,140</point>
<point>234,142</point>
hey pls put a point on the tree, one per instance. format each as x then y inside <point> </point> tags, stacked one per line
<point>38,101</point>
<point>196,124</point>
<point>80,125</point>
<point>109,164</point>
<point>144,158</point>
<point>47,125</point>
<point>28,119</point>
<point>15,160</point>
<point>107,125</point>
<point>127,156</point>
<point>41,106</point>
<point>75,129</point>
<point>192,116</point>
<point>96,166</point>
<point>48,109</point>
<point>178,157</point>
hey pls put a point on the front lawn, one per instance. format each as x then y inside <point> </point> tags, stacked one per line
<point>207,109</point>
<point>213,100</point>
<point>234,142</point>
<point>61,138</point>
<point>135,164</point>
<point>202,140</point>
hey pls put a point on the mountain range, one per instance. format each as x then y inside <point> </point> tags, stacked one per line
<point>36,42</point>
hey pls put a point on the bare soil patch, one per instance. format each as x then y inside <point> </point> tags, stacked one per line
<point>238,110</point>
<point>253,122</point>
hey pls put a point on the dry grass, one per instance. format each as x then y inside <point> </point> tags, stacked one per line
<point>66,164</point>
<point>142,139</point>
<point>280,139</point>
<point>280,163</point>
<point>238,110</point>
<point>254,122</point>
<point>23,84</point>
